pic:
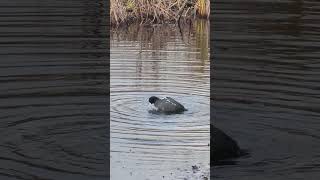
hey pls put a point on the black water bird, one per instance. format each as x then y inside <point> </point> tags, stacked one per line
<point>223,147</point>
<point>167,105</point>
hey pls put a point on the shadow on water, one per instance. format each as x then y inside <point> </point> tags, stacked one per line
<point>266,86</point>
<point>53,90</point>
<point>159,60</point>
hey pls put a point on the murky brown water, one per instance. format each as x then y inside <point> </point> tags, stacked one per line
<point>162,61</point>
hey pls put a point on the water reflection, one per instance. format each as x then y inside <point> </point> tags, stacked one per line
<point>163,61</point>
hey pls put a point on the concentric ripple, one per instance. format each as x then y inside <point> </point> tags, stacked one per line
<point>155,146</point>
<point>53,93</point>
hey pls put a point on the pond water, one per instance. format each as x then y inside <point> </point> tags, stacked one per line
<point>266,86</point>
<point>53,97</point>
<point>162,60</point>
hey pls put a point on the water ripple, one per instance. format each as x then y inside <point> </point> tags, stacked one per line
<point>146,145</point>
<point>52,93</point>
<point>266,86</point>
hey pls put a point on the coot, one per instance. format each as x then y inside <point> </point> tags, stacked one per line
<point>167,105</point>
<point>222,146</point>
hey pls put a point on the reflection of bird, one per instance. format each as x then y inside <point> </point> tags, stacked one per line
<point>167,105</point>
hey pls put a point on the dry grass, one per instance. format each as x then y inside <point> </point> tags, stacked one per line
<point>203,8</point>
<point>157,11</point>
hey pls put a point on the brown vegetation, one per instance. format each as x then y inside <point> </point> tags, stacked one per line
<point>156,11</point>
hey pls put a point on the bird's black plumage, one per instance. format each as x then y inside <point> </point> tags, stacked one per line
<point>167,105</point>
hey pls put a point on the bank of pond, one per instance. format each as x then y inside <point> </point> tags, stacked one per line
<point>157,12</point>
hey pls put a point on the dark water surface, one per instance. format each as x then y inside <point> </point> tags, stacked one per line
<point>162,61</point>
<point>53,90</point>
<point>266,86</point>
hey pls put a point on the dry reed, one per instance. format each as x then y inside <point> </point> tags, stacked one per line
<point>157,11</point>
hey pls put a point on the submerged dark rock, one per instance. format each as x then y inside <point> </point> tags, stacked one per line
<point>223,147</point>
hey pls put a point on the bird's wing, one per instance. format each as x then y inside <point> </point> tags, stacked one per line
<point>174,102</point>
